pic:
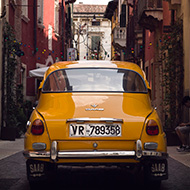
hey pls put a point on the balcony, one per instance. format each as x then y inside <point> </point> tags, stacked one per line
<point>119,37</point>
<point>174,4</point>
<point>150,12</point>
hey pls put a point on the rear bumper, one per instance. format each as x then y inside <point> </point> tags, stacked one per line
<point>154,163</point>
<point>54,154</point>
<point>81,154</point>
<point>93,154</point>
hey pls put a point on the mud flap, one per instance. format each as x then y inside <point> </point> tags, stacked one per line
<point>156,170</point>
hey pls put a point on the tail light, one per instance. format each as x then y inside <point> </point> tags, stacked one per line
<point>37,127</point>
<point>152,128</point>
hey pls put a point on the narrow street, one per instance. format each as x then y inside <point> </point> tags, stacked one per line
<point>102,81</point>
<point>13,177</point>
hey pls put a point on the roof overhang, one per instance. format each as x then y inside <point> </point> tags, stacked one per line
<point>69,1</point>
<point>112,5</point>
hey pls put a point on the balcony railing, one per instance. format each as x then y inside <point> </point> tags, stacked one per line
<point>120,36</point>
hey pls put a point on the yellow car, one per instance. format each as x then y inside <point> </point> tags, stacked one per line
<point>95,113</point>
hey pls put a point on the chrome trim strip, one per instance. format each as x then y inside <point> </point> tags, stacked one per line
<point>154,153</point>
<point>101,119</point>
<point>87,154</point>
<point>151,153</point>
<point>91,154</point>
<point>36,154</point>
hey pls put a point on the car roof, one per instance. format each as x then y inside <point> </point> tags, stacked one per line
<point>95,64</point>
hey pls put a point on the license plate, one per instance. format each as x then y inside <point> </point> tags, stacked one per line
<point>159,169</point>
<point>36,168</point>
<point>94,130</point>
<point>156,170</point>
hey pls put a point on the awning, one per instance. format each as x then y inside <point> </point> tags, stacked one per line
<point>38,73</point>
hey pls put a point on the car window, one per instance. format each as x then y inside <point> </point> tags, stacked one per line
<point>94,80</point>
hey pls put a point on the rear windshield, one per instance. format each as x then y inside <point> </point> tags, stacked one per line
<point>94,80</point>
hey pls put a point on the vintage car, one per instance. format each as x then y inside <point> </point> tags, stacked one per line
<point>95,113</point>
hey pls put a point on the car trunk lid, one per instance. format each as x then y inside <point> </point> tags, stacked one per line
<point>126,112</point>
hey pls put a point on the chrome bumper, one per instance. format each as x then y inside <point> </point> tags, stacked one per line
<point>91,154</point>
<point>84,154</point>
<point>54,154</point>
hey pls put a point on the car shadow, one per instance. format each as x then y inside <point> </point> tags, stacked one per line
<point>88,178</point>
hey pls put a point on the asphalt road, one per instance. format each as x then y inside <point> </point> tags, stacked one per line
<point>13,177</point>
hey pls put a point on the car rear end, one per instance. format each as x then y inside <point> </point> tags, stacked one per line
<point>95,117</point>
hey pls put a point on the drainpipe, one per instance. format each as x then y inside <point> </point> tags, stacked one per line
<point>63,27</point>
<point>35,26</point>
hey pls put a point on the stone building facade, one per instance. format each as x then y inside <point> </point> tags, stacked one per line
<point>92,32</point>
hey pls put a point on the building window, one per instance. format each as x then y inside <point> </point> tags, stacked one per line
<point>40,11</point>
<point>95,43</point>
<point>152,82</point>
<point>56,17</point>
<point>25,8</point>
<point>95,23</point>
<point>147,74</point>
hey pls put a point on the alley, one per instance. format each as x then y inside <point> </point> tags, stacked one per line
<point>91,80</point>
